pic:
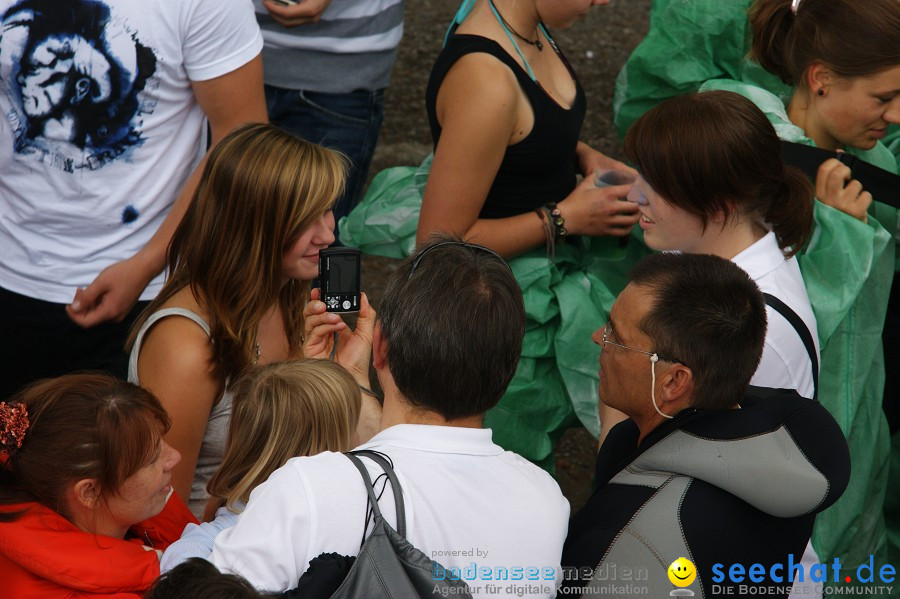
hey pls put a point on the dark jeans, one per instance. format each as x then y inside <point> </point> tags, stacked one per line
<point>39,340</point>
<point>348,123</point>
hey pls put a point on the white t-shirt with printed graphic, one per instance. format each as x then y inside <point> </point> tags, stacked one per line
<point>100,127</point>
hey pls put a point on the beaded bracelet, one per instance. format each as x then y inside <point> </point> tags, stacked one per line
<point>559,223</point>
<point>554,226</point>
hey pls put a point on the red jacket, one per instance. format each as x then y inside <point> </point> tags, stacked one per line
<point>43,555</point>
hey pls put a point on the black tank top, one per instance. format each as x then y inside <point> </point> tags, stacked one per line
<point>541,167</point>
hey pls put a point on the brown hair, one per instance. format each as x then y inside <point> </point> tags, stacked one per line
<point>453,320</point>
<point>715,152</point>
<point>87,425</point>
<point>197,578</point>
<point>707,311</point>
<point>853,38</point>
<point>261,189</point>
<point>281,411</point>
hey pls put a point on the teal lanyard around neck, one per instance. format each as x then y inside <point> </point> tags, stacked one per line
<point>464,10</point>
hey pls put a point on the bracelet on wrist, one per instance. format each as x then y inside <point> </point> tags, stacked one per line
<point>554,226</point>
<point>558,222</point>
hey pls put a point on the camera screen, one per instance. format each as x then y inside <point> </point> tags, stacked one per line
<point>342,274</point>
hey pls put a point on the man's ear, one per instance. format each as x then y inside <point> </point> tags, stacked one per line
<point>379,348</point>
<point>87,493</point>
<point>677,389</point>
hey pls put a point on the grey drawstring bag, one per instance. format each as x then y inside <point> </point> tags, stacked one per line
<point>388,566</point>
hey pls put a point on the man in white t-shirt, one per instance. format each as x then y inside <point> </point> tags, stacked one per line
<point>103,108</point>
<point>446,346</point>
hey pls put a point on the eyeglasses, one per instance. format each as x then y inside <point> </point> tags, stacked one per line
<point>474,246</point>
<point>654,358</point>
<point>607,330</point>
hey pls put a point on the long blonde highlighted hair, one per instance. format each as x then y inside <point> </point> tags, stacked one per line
<point>280,411</point>
<point>260,190</point>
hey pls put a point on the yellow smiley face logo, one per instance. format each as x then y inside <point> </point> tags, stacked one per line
<point>682,572</point>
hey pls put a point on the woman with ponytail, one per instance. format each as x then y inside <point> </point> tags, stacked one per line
<point>844,95</point>
<point>712,182</point>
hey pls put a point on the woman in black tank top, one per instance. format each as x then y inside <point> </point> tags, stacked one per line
<point>506,112</point>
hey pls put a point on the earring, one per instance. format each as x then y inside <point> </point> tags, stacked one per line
<point>821,92</point>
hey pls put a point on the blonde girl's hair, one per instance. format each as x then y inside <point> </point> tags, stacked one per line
<point>281,411</point>
<point>260,190</point>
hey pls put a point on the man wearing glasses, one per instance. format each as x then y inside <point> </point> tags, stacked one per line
<point>705,468</point>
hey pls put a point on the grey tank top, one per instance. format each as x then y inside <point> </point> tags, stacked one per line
<point>213,447</point>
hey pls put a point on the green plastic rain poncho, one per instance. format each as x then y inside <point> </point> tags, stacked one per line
<point>566,300</point>
<point>847,266</point>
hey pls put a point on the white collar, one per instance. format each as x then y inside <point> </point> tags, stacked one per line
<point>761,258</point>
<point>437,439</point>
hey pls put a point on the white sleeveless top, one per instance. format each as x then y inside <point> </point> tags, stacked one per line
<point>213,447</point>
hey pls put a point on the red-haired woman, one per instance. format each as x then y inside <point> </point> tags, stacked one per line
<point>86,504</point>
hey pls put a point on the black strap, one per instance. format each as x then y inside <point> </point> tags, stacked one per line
<point>883,185</point>
<point>804,333</point>
<point>370,488</point>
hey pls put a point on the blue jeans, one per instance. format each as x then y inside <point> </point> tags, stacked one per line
<point>348,123</point>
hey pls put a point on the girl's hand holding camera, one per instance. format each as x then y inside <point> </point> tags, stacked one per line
<point>354,347</point>
<point>354,352</point>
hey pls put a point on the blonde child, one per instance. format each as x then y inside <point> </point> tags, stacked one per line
<point>280,411</point>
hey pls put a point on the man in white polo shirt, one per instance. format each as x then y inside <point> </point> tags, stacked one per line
<point>445,347</point>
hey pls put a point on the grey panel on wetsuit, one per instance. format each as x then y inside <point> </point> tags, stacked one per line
<point>637,478</point>
<point>768,471</point>
<point>652,540</point>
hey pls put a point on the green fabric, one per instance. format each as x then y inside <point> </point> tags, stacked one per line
<point>892,141</point>
<point>384,222</point>
<point>566,300</point>
<point>689,42</point>
<point>847,266</point>
<point>850,314</point>
<point>892,504</point>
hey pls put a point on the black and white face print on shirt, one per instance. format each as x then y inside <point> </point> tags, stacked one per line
<point>74,78</point>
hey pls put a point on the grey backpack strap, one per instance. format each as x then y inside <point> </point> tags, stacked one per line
<point>370,488</point>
